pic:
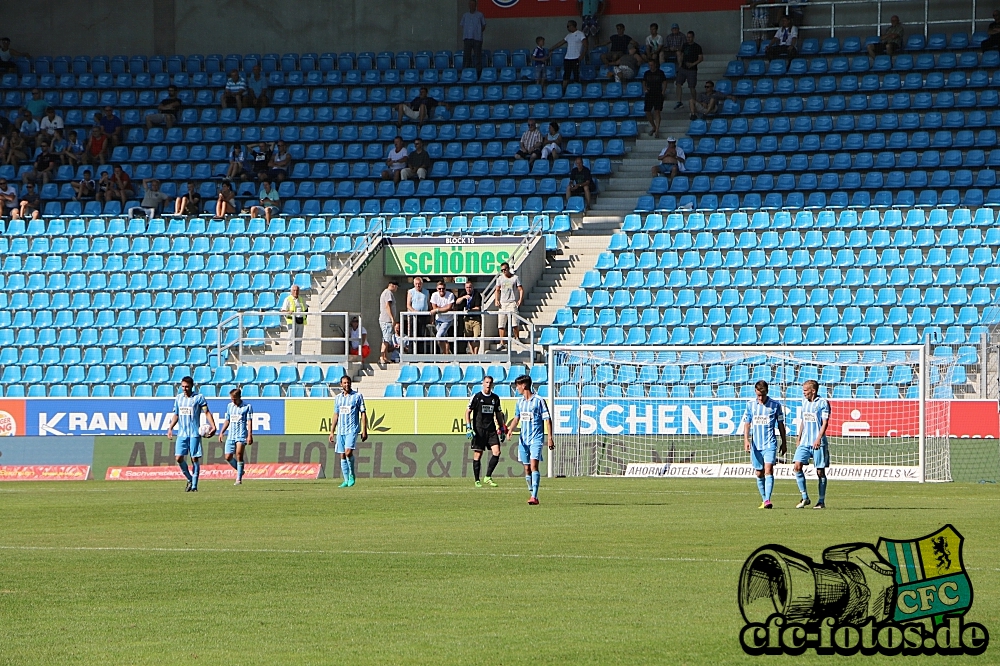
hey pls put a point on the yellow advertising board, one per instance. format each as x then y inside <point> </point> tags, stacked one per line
<point>398,416</point>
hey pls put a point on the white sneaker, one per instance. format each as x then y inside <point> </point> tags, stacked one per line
<point>803,504</point>
<point>238,482</point>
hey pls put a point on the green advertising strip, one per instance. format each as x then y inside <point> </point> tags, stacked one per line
<point>382,456</point>
<point>469,255</point>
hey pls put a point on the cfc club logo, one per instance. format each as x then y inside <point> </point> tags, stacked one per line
<point>8,425</point>
<point>505,4</point>
<point>898,597</point>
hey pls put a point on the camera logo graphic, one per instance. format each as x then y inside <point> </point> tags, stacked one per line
<point>899,597</point>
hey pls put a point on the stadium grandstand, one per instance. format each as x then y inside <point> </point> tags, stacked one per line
<point>834,198</point>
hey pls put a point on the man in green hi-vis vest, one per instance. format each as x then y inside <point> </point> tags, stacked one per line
<point>293,305</point>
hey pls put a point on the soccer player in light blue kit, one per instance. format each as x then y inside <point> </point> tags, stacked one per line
<point>239,423</point>
<point>760,419</point>
<point>531,414</point>
<point>812,442</point>
<point>349,420</point>
<point>188,408</point>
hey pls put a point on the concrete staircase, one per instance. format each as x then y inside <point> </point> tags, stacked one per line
<point>565,271</point>
<point>631,179</point>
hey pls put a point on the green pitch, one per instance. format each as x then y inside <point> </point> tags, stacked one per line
<point>605,571</point>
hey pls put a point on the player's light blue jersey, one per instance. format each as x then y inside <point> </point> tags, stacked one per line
<point>188,411</point>
<point>813,415</point>
<point>763,419</point>
<point>531,414</point>
<point>239,419</point>
<point>349,408</point>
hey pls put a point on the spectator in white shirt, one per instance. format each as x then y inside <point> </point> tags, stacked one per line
<point>784,42</point>
<point>51,123</point>
<point>442,304</point>
<point>576,47</point>
<point>396,161</point>
<point>235,92</point>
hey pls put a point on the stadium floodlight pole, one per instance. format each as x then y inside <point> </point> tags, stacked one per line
<point>552,394</point>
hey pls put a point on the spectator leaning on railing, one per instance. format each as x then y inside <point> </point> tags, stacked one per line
<point>417,301</point>
<point>295,308</point>
<point>471,302</point>
<point>442,304</point>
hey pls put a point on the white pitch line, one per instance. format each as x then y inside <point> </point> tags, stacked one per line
<point>400,553</point>
<point>396,553</point>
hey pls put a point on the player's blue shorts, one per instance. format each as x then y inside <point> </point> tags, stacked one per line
<point>528,451</point>
<point>760,456</point>
<point>188,446</point>
<point>345,442</point>
<point>820,456</point>
<point>231,446</point>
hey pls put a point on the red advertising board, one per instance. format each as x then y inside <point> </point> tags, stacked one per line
<point>974,419</point>
<point>252,472</point>
<point>44,472</point>
<point>901,418</point>
<point>12,421</point>
<point>533,8</point>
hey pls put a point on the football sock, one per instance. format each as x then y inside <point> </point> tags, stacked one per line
<point>184,468</point>
<point>239,470</point>
<point>760,487</point>
<point>232,463</point>
<point>477,466</point>
<point>535,478</point>
<point>345,468</point>
<point>494,461</point>
<point>800,481</point>
<point>822,488</point>
<point>195,472</point>
<point>768,487</point>
<point>350,465</point>
<point>527,480</point>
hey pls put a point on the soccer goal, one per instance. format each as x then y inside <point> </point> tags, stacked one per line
<point>676,411</point>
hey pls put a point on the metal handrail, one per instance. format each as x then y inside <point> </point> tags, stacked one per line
<point>833,25</point>
<point>483,356</point>
<point>223,349</point>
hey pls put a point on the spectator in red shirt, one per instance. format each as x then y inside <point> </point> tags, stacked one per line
<point>96,149</point>
<point>121,186</point>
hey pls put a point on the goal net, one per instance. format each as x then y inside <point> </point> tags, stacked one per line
<point>676,411</point>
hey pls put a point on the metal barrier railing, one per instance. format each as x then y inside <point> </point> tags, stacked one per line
<point>252,342</point>
<point>813,9</point>
<point>419,344</point>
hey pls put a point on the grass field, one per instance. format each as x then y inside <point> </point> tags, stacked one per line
<point>604,571</point>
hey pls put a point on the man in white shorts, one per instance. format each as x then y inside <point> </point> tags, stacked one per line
<point>387,318</point>
<point>509,296</point>
<point>442,305</point>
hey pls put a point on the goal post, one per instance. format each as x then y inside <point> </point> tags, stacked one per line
<point>676,411</point>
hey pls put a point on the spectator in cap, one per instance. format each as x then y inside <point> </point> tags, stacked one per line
<point>673,42</point>
<point>670,160</point>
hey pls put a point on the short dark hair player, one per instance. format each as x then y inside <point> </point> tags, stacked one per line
<point>486,428</point>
